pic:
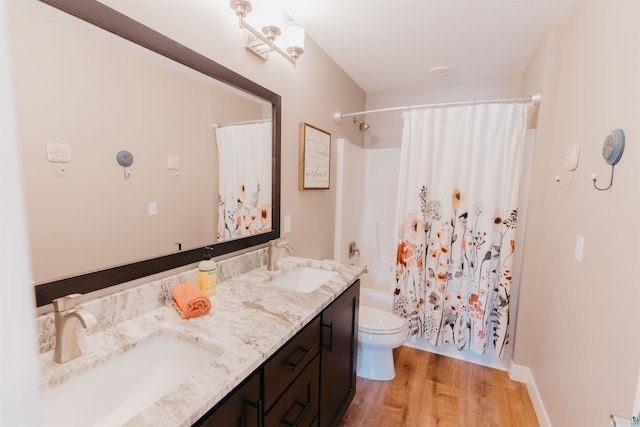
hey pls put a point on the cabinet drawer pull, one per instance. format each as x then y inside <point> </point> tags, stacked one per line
<point>259,408</point>
<point>330,346</point>
<point>294,365</point>
<point>305,408</point>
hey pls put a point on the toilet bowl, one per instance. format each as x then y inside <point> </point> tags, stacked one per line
<point>379,332</point>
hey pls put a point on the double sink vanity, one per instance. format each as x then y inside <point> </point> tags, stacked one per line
<point>277,348</point>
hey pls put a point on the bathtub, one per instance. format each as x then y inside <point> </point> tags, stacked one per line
<point>373,294</point>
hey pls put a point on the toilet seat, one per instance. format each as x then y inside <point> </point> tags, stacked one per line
<point>372,320</point>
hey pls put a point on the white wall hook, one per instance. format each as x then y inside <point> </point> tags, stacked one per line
<point>594,178</point>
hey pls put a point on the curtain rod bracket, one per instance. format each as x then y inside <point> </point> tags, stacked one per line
<point>337,116</point>
<point>536,99</point>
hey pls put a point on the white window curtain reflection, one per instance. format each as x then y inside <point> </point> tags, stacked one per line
<point>244,201</point>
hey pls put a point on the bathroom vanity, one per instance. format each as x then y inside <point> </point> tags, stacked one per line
<point>277,356</point>
<point>309,381</point>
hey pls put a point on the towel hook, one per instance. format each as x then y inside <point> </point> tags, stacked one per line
<point>125,159</point>
<point>612,150</point>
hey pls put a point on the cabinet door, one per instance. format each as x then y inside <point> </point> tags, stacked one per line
<point>243,408</point>
<point>339,356</point>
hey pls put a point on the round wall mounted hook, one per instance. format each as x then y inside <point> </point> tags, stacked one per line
<point>612,150</point>
<point>125,159</point>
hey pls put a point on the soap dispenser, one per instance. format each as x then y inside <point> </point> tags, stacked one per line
<point>207,274</point>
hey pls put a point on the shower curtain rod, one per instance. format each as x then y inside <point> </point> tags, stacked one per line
<point>248,122</point>
<point>534,99</point>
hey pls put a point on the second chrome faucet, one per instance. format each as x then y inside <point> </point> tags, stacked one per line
<point>272,253</point>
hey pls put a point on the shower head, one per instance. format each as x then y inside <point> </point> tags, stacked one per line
<point>363,126</point>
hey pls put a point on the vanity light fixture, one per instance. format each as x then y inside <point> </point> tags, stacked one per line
<point>261,43</point>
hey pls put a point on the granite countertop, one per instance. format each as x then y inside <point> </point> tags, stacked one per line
<point>248,323</point>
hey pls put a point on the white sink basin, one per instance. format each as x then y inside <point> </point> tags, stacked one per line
<point>305,279</point>
<point>116,391</point>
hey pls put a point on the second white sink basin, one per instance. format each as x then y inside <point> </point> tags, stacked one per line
<point>305,279</point>
<point>116,391</point>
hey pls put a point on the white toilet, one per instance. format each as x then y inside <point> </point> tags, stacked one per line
<point>379,332</point>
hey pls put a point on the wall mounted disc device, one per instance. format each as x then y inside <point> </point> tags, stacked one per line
<point>613,147</point>
<point>124,158</point>
<point>612,150</point>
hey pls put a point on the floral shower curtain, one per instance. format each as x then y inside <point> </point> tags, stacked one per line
<point>456,215</point>
<point>244,163</point>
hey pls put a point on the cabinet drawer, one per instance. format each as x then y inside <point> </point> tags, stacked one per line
<point>298,406</point>
<point>287,364</point>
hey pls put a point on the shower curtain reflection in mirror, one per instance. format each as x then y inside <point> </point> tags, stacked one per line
<point>456,216</point>
<point>244,199</point>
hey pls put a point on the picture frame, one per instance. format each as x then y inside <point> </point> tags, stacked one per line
<point>314,158</point>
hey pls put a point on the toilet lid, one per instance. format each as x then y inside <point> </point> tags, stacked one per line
<point>374,320</point>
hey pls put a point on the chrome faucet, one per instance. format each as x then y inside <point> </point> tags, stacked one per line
<point>65,316</point>
<point>272,254</point>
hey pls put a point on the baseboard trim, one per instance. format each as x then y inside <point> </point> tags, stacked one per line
<point>523,374</point>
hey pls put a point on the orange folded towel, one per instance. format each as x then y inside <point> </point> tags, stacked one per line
<point>190,301</point>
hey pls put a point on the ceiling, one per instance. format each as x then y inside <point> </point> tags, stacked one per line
<point>386,45</point>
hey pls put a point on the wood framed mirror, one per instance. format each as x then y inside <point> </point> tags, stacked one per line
<point>175,243</point>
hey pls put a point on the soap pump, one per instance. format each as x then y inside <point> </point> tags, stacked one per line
<point>207,274</point>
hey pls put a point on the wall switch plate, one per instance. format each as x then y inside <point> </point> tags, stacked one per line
<point>571,157</point>
<point>58,153</point>
<point>287,224</point>
<point>153,208</point>
<point>579,248</point>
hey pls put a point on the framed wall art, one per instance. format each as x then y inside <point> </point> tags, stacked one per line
<point>315,156</point>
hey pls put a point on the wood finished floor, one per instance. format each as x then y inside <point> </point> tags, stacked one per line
<point>433,390</point>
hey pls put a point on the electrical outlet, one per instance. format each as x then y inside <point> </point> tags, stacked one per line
<point>571,157</point>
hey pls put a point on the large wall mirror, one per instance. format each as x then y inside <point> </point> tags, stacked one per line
<point>205,144</point>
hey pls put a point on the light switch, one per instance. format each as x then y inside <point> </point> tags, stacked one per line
<point>579,248</point>
<point>153,208</point>
<point>287,224</point>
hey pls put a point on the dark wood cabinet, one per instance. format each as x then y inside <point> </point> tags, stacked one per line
<point>310,381</point>
<point>242,408</point>
<point>339,356</point>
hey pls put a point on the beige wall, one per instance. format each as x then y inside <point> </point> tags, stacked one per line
<point>577,326</point>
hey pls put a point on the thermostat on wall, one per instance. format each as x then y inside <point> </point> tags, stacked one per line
<point>58,153</point>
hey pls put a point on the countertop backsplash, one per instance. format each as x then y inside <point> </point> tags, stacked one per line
<point>127,304</point>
